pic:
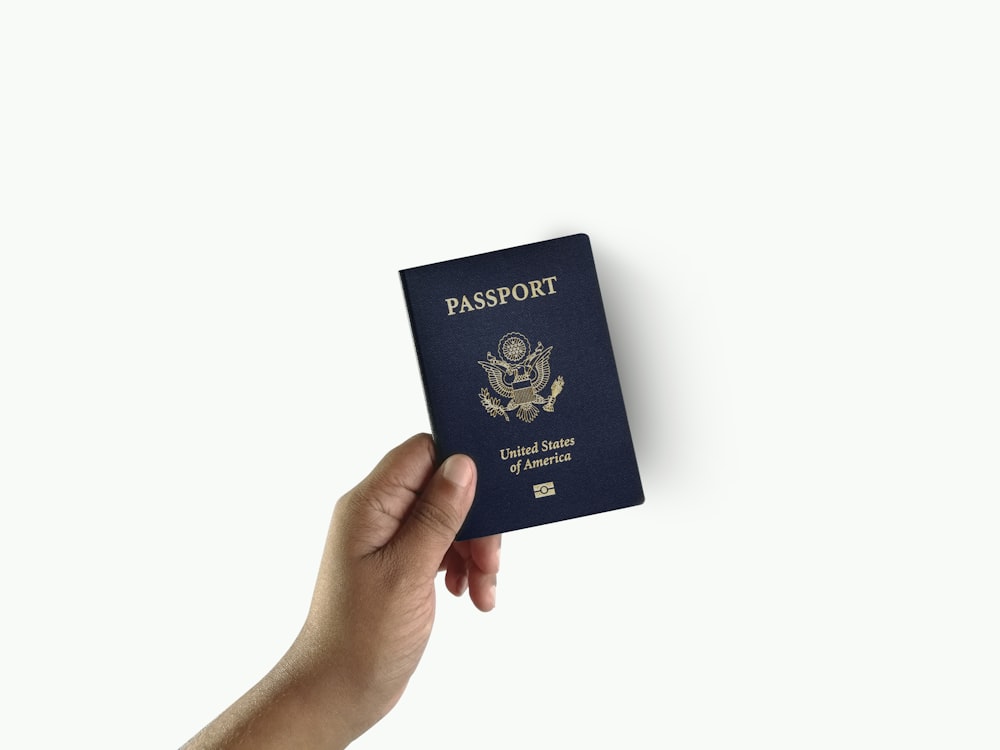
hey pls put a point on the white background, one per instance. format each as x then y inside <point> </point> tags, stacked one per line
<point>794,213</point>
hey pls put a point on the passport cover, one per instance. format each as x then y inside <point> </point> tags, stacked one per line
<point>518,373</point>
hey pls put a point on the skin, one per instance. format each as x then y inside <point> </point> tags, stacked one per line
<point>372,608</point>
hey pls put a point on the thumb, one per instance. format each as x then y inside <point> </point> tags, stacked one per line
<point>437,515</point>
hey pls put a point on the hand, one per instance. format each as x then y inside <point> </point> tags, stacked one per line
<point>372,607</point>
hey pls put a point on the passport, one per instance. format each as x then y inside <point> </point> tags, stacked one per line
<point>518,372</point>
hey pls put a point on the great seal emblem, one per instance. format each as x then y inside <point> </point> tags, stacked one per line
<point>520,376</point>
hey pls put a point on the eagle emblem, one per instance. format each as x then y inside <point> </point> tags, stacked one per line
<point>519,375</point>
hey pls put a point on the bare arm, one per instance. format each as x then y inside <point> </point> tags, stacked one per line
<point>372,608</point>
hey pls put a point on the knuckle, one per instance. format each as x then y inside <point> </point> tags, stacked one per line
<point>442,522</point>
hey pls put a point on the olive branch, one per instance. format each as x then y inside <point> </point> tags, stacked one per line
<point>493,407</point>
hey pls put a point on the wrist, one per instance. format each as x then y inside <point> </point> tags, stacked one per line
<point>323,700</point>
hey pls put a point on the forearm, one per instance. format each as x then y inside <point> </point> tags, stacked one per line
<point>372,609</point>
<point>293,706</point>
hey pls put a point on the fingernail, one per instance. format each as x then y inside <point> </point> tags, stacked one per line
<point>457,469</point>
<point>493,596</point>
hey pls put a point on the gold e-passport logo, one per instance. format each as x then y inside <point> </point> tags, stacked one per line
<point>544,489</point>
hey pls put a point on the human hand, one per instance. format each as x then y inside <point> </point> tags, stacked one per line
<point>372,607</point>
<point>374,601</point>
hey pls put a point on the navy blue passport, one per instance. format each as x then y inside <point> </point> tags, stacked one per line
<point>518,373</point>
